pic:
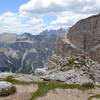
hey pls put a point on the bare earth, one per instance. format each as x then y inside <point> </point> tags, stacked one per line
<point>24,92</point>
<point>68,94</point>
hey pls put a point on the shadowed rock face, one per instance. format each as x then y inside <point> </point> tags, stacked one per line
<point>84,36</point>
<point>26,52</point>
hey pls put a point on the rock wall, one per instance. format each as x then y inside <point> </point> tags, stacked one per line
<point>84,36</point>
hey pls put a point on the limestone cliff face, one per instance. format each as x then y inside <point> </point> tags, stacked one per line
<point>64,47</point>
<point>84,36</point>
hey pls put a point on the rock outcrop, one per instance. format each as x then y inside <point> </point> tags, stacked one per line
<point>84,36</point>
<point>77,56</point>
<point>77,69</point>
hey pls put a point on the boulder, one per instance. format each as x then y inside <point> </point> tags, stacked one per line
<point>3,75</point>
<point>5,86</point>
<point>27,78</point>
<point>70,77</point>
<point>41,71</point>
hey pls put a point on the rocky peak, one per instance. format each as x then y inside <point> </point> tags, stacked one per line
<point>85,36</point>
<point>27,35</point>
<point>57,31</point>
<point>74,62</point>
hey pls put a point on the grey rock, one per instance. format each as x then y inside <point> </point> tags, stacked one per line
<point>69,77</point>
<point>83,37</point>
<point>4,75</point>
<point>76,69</point>
<point>27,78</point>
<point>5,85</point>
<point>41,71</point>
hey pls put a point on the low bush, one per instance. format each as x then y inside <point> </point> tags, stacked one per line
<point>88,85</point>
<point>14,81</point>
<point>97,96</point>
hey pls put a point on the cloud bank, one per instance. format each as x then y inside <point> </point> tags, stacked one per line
<point>30,17</point>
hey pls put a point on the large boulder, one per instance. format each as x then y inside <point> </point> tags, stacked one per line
<point>40,72</point>
<point>73,76</point>
<point>4,75</point>
<point>6,88</point>
<point>5,85</point>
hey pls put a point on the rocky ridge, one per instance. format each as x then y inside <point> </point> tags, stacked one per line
<point>76,59</point>
<point>76,69</point>
<point>83,37</point>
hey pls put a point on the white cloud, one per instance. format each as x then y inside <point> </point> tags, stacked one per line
<point>68,18</point>
<point>41,7</point>
<point>35,21</point>
<point>9,18</point>
<point>30,15</point>
<point>9,14</point>
<point>12,23</point>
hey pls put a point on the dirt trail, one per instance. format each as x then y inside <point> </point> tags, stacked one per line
<point>69,94</point>
<point>24,92</point>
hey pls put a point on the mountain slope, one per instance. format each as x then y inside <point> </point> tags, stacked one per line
<point>73,61</point>
<point>83,37</point>
<point>26,52</point>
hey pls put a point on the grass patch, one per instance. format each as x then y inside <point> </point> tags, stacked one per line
<point>97,96</point>
<point>88,85</point>
<point>14,81</point>
<point>11,90</point>
<point>45,87</point>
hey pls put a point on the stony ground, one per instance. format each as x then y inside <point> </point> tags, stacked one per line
<point>69,94</point>
<point>24,92</point>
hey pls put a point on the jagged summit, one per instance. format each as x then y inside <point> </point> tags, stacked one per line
<point>58,31</point>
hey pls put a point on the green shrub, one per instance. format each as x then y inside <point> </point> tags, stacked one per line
<point>14,81</point>
<point>97,96</point>
<point>88,85</point>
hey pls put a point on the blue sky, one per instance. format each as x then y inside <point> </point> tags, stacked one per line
<point>34,16</point>
<point>10,5</point>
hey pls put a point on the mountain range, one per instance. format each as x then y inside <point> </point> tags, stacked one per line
<point>25,52</point>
